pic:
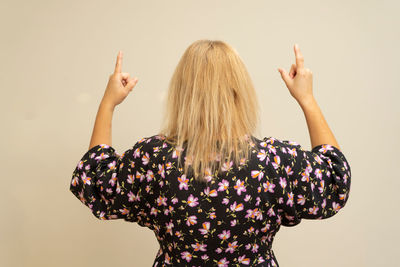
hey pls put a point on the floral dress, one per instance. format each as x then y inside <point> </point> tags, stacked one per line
<point>229,221</point>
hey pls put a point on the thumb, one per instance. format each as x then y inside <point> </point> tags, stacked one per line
<point>285,76</point>
<point>131,84</point>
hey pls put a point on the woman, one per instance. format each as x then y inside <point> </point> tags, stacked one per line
<point>213,193</point>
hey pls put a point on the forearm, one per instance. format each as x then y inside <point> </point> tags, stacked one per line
<point>318,128</point>
<point>102,127</point>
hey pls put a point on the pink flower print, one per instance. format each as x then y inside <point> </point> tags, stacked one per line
<point>212,215</point>
<point>192,201</point>
<point>293,143</point>
<point>113,179</point>
<point>223,185</point>
<point>218,250</point>
<point>223,262</point>
<point>265,228</point>
<point>345,177</point>
<point>254,248</point>
<point>226,166</point>
<point>198,246</point>
<point>169,226</point>
<point>132,197</point>
<point>233,222</point>
<point>325,148</point>
<point>139,175</point>
<point>280,200</point>
<point>174,200</point>
<point>242,161</point>
<point>102,156</point>
<point>251,213</point>
<point>191,220</point>
<point>130,178</point>
<point>292,151</point>
<point>244,260</point>
<point>205,229</point>
<point>313,210</point>
<point>168,165</point>
<point>321,188</point>
<point>323,203</point>
<point>154,211</point>
<point>111,165</point>
<point>136,153</point>
<point>156,149</point>
<point>186,256</point>
<point>271,149</point>
<point>301,199</point>
<point>149,175</point>
<point>146,158</point>
<point>75,181</point>
<point>342,196</point>
<point>290,199</point>
<point>312,186</point>
<point>261,155</point>
<point>161,201</point>
<point>271,212</point>
<point>305,176</point>
<point>277,161</point>
<point>282,182</point>
<point>258,200</point>
<point>318,159</point>
<point>132,164</point>
<point>176,153</point>
<point>239,187</point>
<point>204,257</point>
<point>268,187</point>
<point>183,182</point>
<point>85,179</point>
<point>247,198</point>
<point>124,211</point>
<point>283,149</point>
<point>236,207</point>
<point>225,234</point>
<point>207,175</point>
<point>102,217</point>
<point>231,247</point>
<point>318,173</point>
<point>169,210</point>
<point>80,165</point>
<point>213,192</point>
<point>336,207</point>
<point>257,174</point>
<point>161,170</point>
<point>288,170</point>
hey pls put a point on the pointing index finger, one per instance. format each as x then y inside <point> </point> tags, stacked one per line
<point>118,65</point>
<point>299,57</point>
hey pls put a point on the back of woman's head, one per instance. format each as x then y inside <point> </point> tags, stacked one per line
<point>212,108</point>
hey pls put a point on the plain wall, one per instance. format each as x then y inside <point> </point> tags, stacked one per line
<point>55,60</point>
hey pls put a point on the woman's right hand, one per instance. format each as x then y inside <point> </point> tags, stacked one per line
<point>299,79</point>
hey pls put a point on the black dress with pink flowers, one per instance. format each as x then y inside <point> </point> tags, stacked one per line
<point>229,221</point>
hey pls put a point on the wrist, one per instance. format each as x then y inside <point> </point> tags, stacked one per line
<point>107,105</point>
<point>309,103</point>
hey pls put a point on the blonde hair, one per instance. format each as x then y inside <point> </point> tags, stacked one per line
<point>212,108</point>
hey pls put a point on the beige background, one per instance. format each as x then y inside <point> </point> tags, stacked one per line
<point>56,57</point>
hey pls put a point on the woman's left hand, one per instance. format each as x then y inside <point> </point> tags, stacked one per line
<point>120,84</point>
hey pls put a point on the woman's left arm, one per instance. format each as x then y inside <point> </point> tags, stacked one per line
<point>120,84</point>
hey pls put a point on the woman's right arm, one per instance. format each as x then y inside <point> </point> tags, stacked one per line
<point>299,83</point>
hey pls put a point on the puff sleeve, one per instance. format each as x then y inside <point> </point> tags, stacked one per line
<point>317,182</point>
<point>110,184</point>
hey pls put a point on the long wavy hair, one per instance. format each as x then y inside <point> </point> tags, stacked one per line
<point>212,109</point>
